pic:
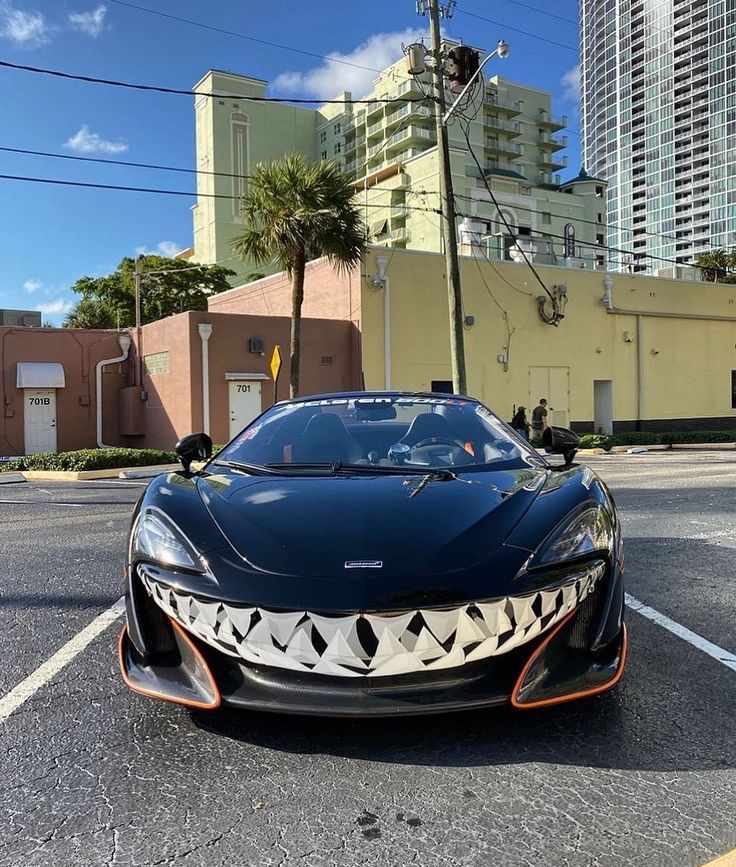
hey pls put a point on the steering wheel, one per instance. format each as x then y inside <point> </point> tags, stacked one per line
<point>446,441</point>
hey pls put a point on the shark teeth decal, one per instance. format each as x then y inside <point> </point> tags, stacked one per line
<point>373,644</point>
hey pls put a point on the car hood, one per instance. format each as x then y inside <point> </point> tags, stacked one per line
<point>332,526</point>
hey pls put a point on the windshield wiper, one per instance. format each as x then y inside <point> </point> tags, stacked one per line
<point>253,469</point>
<point>335,467</point>
<point>323,466</point>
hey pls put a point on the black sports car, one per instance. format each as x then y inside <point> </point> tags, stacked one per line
<point>374,553</point>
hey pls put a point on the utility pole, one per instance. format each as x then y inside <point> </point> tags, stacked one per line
<point>139,365</point>
<point>449,224</point>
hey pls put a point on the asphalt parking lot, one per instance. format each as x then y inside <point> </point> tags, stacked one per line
<point>91,774</point>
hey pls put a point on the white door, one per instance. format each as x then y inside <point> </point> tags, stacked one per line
<point>245,404</point>
<point>603,406</point>
<point>39,417</point>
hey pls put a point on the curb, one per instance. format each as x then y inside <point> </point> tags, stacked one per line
<point>148,472</point>
<point>10,478</point>
<point>91,475</point>
<point>697,447</point>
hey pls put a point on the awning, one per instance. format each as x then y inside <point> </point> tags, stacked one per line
<point>44,374</point>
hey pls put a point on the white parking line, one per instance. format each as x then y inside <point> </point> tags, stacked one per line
<point>723,656</point>
<point>20,694</point>
<point>43,503</point>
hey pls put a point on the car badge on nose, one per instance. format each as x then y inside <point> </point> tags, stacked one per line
<point>364,564</point>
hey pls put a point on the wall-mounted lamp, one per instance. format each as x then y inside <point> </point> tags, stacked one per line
<point>379,278</point>
<point>469,321</point>
<point>607,299</point>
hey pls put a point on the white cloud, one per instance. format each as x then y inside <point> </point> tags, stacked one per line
<point>329,79</point>
<point>87,142</point>
<point>164,248</point>
<point>26,29</point>
<point>32,286</point>
<point>61,305</point>
<point>570,82</point>
<point>92,23</point>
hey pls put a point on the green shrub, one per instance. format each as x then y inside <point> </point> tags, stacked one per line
<point>90,459</point>
<point>594,441</point>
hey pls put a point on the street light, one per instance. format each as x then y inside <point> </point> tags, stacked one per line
<point>502,50</point>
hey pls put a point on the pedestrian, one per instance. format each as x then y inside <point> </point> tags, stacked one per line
<point>520,424</point>
<point>539,419</point>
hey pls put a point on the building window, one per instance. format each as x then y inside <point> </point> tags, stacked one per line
<point>546,218</point>
<point>599,192</point>
<point>323,137</point>
<point>336,128</point>
<point>338,147</point>
<point>599,239</point>
<point>600,218</point>
<point>733,389</point>
<point>324,155</point>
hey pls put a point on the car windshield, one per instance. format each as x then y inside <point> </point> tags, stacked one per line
<point>387,431</point>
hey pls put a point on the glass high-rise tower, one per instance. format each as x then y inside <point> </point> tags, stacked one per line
<point>658,81</point>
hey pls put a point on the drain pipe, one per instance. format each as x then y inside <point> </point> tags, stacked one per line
<point>205,332</point>
<point>124,341</point>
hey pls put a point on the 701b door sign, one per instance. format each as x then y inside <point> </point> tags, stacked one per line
<point>39,401</point>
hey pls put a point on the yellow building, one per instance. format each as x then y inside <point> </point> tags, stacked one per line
<point>631,351</point>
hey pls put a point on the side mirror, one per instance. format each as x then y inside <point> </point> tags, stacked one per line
<point>561,441</point>
<point>195,447</point>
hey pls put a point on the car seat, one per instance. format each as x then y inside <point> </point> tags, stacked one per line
<point>325,438</point>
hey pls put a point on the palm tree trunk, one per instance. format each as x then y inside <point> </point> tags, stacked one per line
<point>297,297</point>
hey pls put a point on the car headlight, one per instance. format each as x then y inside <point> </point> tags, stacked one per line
<point>588,531</point>
<point>156,537</point>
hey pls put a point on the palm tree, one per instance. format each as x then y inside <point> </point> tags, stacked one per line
<point>294,211</point>
<point>716,266</point>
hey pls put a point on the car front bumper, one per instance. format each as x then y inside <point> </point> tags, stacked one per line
<point>580,652</point>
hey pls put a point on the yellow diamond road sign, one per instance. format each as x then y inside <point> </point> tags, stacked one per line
<point>276,362</point>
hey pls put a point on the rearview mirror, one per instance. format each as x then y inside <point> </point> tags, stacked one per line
<point>195,447</point>
<point>561,441</point>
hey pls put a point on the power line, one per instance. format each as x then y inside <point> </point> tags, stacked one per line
<point>128,163</point>
<point>153,88</point>
<point>225,32</point>
<point>517,30</point>
<point>540,11</point>
<point>121,187</point>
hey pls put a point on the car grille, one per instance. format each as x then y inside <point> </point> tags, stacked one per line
<point>375,644</point>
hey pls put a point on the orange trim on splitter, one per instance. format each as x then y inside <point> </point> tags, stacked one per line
<point>573,695</point>
<point>152,693</point>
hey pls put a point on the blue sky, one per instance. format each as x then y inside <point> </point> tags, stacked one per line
<point>51,236</point>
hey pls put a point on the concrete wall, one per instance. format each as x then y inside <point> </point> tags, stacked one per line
<point>174,405</point>
<point>668,347</point>
<point>78,351</point>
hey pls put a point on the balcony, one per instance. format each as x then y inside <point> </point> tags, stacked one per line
<point>375,129</point>
<point>507,148</point>
<point>549,161</point>
<point>493,103</point>
<point>411,133</point>
<point>497,124</point>
<point>408,111</point>
<point>554,144</point>
<point>398,212</point>
<point>545,119</point>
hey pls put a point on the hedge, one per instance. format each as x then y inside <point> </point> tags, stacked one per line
<point>647,438</point>
<point>90,459</point>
